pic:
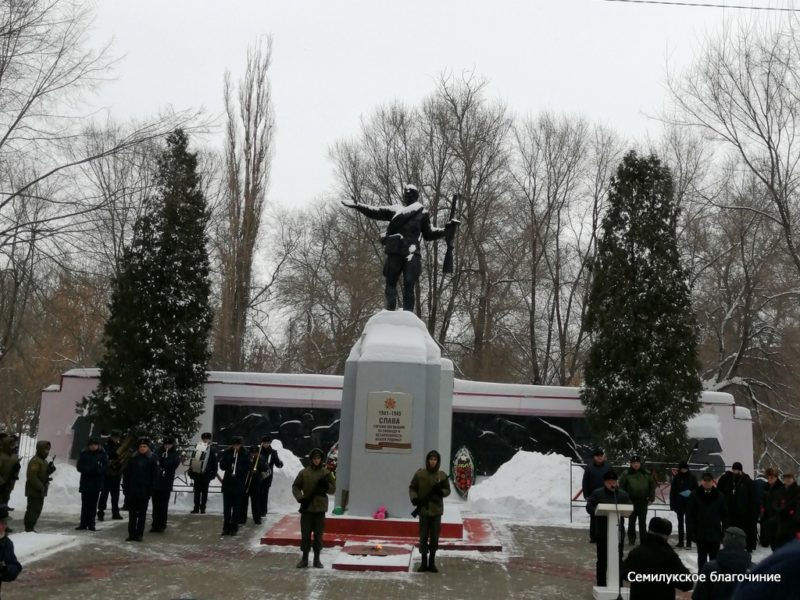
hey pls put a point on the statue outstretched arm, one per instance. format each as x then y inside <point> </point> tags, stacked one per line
<point>379,213</point>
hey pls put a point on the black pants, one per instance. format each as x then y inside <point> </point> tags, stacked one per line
<point>639,514</point>
<point>137,513</point>
<point>394,266</point>
<point>88,508</point>
<point>160,508</point>
<point>253,498</point>
<point>264,499</point>
<point>33,512</point>
<point>706,551</point>
<point>311,522</point>
<point>681,525</point>
<point>200,485</point>
<point>231,507</point>
<point>110,488</point>
<point>429,530</point>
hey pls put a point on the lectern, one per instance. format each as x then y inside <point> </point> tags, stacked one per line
<point>612,589</point>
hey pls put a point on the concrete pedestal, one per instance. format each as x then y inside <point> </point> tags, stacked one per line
<point>613,513</point>
<point>397,399</point>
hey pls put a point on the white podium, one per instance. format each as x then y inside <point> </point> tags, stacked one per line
<point>612,590</point>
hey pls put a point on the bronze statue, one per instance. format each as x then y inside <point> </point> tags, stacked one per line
<point>409,224</point>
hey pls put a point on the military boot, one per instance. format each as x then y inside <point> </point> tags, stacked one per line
<point>303,564</point>
<point>423,565</point>
<point>317,562</point>
<point>432,563</point>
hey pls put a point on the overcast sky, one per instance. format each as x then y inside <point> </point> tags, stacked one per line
<point>334,61</point>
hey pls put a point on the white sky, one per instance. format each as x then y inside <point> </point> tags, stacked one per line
<point>335,60</point>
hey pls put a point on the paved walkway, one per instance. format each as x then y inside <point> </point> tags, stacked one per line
<point>191,561</point>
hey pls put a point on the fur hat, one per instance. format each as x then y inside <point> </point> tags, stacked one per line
<point>205,435</point>
<point>737,466</point>
<point>266,438</point>
<point>94,439</point>
<point>236,439</point>
<point>598,452</point>
<point>734,539</point>
<point>659,526</point>
<point>610,475</point>
<point>708,476</point>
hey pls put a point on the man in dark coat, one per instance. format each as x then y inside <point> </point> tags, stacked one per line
<point>777,577</point>
<point>737,487</point>
<point>655,557</point>
<point>252,486</point>
<point>235,462</point>
<point>731,560</point>
<point>201,481</point>
<point>168,462</point>
<point>92,465</point>
<point>427,490</point>
<point>36,483</point>
<point>408,226</point>
<point>311,488</point>
<point>788,505</point>
<point>593,479</point>
<point>140,478</point>
<point>641,489</point>
<point>117,459</point>
<point>9,468</point>
<point>608,494</point>
<point>9,565</point>
<point>272,461</point>
<point>769,509</point>
<point>683,484</point>
<point>706,519</point>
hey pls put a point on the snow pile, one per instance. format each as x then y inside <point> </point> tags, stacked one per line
<point>529,487</point>
<point>704,426</point>
<point>35,546</point>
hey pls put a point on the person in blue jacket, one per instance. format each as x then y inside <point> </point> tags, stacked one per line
<point>593,476</point>
<point>683,484</point>
<point>9,565</point>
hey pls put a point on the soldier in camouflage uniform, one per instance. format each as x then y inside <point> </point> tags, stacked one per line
<point>311,488</point>
<point>36,484</point>
<point>428,488</point>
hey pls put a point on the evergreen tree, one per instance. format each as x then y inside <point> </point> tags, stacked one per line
<point>154,370</point>
<point>641,381</point>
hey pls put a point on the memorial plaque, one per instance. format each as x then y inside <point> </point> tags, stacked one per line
<point>388,422</point>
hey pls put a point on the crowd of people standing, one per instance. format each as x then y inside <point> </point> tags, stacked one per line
<point>725,520</point>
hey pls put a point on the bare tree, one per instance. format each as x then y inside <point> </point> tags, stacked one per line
<point>248,155</point>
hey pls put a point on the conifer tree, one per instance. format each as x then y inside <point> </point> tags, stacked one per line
<point>641,381</point>
<point>153,372</point>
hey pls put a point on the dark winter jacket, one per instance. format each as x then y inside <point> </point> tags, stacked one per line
<point>603,496</point>
<point>7,556</point>
<point>654,556</point>
<point>92,467</point>
<point>271,462</point>
<point>236,465</point>
<point>39,471</point>
<point>639,484</point>
<point>116,461</point>
<point>140,475</point>
<point>168,462</point>
<point>770,506</point>
<point>706,516</point>
<point>788,514</point>
<point>784,562</point>
<point>681,483</point>
<point>429,487</point>
<point>593,477</point>
<point>312,486</point>
<point>408,226</point>
<point>9,465</point>
<point>727,561</point>
<point>739,496</point>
